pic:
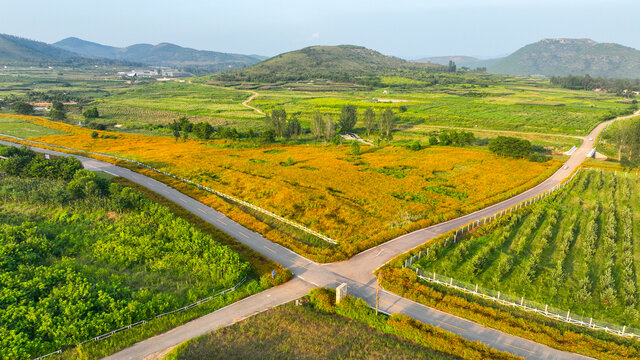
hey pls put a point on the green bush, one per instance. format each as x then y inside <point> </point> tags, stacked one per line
<point>91,113</point>
<point>22,108</point>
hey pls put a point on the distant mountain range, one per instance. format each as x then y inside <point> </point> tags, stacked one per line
<point>17,51</point>
<point>460,60</point>
<point>164,54</point>
<point>548,57</point>
<point>340,63</point>
<point>559,57</point>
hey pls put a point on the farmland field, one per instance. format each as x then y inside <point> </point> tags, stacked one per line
<point>80,260</point>
<point>358,200</point>
<point>15,127</point>
<point>317,331</point>
<point>516,105</point>
<point>576,250</point>
<point>161,103</point>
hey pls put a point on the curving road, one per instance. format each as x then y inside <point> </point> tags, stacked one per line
<point>246,103</point>
<point>356,272</point>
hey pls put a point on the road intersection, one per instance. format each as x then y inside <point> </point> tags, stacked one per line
<point>357,272</point>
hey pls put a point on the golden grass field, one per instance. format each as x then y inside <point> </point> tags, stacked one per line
<point>360,200</point>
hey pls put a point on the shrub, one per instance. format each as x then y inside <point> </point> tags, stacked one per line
<point>23,108</point>
<point>91,113</point>
<point>281,277</point>
<point>415,146</point>
<point>355,148</point>
<point>510,146</point>
<point>94,134</point>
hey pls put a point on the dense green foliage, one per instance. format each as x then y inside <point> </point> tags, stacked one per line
<point>622,140</point>
<point>79,260</point>
<point>24,162</point>
<point>23,108</point>
<point>91,113</point>
<point>510,146</point>
<point>575,250</point>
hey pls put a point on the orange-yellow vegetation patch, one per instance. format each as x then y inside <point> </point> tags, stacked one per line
<point>360,201</point>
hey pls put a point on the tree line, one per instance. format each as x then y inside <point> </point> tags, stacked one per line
<point>586,82</point>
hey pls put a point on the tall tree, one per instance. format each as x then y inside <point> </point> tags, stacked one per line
<point>293,128</point>
<point>278,121</point>
<point>330,128</point>
<point>348,118</point>
<point>318,127</point>
<point>387,123</point>
<point>369,120</point>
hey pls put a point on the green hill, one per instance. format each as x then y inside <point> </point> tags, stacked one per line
<point>339,63</point>
<point>17,51</point>
<point>164,54</point>
<point>561,57</point>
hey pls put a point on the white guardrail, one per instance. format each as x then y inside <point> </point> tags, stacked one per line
<point>142,322</point>
<point>506,299</point>
<point>202,187</point>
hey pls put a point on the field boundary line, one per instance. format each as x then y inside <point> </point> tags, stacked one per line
<point>199,186</point>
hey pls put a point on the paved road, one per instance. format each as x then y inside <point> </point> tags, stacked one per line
<point>226,316</point>
<point>356,272</point>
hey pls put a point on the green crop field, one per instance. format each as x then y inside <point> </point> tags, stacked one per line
<point>161,103</point>
<point>513,107</point>
<point>79,260</point>
<point>576,250</point>
<point>23,129</point>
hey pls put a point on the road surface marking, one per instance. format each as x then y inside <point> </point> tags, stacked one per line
<point>390,303</point>
<point>519,348</point>
<point>453,326</point>
<point>243,234</point>
<point>202,211</point>
<point>302,266</point>
<point>221,222</point>
<point>273,251</point>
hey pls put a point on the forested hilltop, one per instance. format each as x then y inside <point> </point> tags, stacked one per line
<point>338,63</point>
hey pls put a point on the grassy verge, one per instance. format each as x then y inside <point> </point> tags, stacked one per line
<point>320,329</point>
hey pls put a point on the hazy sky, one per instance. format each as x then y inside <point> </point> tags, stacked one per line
<point>403,28</point>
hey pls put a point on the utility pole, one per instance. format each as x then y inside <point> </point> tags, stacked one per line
<point>378,293</point>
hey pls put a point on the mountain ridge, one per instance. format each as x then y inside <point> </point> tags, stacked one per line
<point>565,56</point>
<point>339,63</point>
<point>162,54</point>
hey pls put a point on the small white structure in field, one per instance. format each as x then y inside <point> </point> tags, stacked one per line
<point>341,292</point>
